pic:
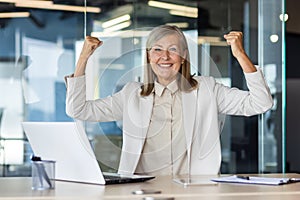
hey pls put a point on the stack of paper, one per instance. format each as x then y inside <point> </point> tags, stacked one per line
<point>256,180</point>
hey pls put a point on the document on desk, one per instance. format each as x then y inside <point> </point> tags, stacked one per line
<point>255,180</point>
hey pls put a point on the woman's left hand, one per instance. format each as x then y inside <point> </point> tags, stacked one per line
<point>235,40</point>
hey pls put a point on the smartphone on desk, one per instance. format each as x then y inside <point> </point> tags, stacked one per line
<point>194,180</point>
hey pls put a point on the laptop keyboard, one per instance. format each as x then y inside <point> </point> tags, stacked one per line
<point>109,177</point>
<point>113,179</point>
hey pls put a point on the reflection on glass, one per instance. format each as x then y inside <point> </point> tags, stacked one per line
<point>38,51</point>
<point>271,51</point>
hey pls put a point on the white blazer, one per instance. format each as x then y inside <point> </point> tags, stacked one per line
<point>201,116</point>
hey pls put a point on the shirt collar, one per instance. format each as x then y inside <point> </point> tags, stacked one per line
<point>158,88</point>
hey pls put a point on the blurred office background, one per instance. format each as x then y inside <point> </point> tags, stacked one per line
<point>40,41</point>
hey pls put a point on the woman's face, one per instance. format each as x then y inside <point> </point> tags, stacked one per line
<point>165,58</point>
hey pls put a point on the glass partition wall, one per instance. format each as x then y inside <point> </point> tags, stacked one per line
<point>39,48</point>
<point>271,55</point>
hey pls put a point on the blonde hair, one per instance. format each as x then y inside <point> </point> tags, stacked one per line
<point>186,82</point>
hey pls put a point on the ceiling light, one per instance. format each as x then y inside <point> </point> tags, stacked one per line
<point>14,14</point>
<point>33,2</point>
<point>183,13</point>
<point>274,38</point>
<point>50,6</point>
<point>123,34</point>
<point>115,21</point>
<point>212,41</point>
<point>118,26</point>
<point>284,17</point>
<point>8,1</point>
<point>171,6</point>
<point>179,24</point>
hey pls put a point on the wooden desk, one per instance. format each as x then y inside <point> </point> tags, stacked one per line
<point>20,188</point>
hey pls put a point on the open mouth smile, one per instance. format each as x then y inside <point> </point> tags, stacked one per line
<point>165,65</point>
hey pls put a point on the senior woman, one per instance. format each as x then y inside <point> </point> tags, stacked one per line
<point>170,121</point>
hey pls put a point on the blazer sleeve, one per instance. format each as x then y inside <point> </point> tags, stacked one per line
<point>100,110</point>
<point>233,101</point>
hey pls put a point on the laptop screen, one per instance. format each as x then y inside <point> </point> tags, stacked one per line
<point>67,144</point>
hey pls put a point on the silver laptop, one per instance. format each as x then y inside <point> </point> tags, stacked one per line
<point>68,145</point>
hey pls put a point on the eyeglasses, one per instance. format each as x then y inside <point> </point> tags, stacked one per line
<point>159,51</point>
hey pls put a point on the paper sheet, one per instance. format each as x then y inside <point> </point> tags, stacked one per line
<point>256,180</point>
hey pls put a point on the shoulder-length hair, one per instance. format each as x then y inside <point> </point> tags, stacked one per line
<point>185,80</point>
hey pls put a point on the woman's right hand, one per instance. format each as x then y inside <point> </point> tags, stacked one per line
<point>89,46</point>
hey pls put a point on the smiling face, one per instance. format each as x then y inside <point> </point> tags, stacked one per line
<point>165,57</point>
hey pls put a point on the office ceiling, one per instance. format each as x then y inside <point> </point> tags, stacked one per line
<point>105,5</point>
<point>145,15</point>
<point>114,8</point>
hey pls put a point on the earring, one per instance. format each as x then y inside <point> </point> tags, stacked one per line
<point>182,62</point>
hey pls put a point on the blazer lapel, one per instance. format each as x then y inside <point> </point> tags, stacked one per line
<point>146,106</point>
<point>133,145</point>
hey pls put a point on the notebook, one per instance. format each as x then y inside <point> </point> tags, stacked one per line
<point>68,145</point>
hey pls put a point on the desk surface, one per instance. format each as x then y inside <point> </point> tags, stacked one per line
<point>20,188</point>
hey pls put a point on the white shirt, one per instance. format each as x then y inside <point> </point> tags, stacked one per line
<point>164,151</point>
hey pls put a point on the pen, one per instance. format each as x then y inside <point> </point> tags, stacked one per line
<point>44,174</point>
<point>41,170</point>
<point>243,177</point>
